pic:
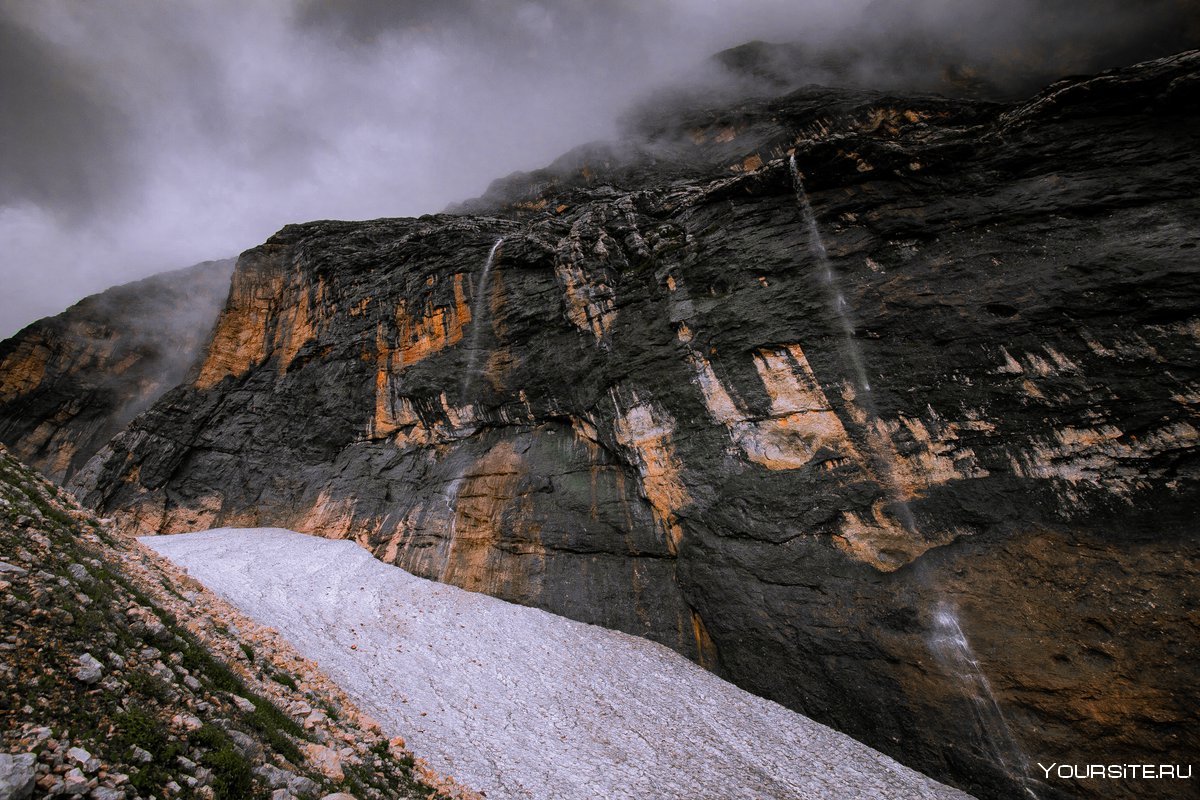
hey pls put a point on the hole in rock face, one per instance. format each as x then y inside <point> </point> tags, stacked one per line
<point>1000,309</point>
<point>719,287</point>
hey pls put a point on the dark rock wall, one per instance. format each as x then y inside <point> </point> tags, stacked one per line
<point>648,413</point>
<point>70,383</point>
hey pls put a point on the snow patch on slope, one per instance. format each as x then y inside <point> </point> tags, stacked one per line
<point>521,703</point>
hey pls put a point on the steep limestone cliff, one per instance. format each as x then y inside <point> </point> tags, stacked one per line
<point>70,383</point>
<point>907,431</point>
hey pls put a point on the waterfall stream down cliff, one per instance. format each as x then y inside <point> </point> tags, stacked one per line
<point>850,347</point>
<point>478,305</point>
<point>953,650</point>
<point>699,405</point>
<point>947,641</point>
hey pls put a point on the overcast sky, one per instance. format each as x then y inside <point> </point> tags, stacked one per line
<point>140,136</point>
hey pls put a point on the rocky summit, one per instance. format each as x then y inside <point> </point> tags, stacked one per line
<point>883,407</point>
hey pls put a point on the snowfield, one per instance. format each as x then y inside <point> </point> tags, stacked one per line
<point>520,703</point>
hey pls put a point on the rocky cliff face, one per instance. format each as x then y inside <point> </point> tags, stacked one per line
<point>883,407</point>
<point>70,383</point>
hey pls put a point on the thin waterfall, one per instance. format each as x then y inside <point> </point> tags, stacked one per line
<point>450,496</point>
<point>947,641</point>
<point>842,313</point>
<point>952,649</point>
<point>478,305</point>
<point>841,309</point>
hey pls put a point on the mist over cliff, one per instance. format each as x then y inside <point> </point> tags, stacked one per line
<point>142,137</point>
<point>847,350</point>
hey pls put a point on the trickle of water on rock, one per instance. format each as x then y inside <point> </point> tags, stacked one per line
<point>952,649</point>
<point>450,495</point>
<point>841,309</point>
<point>842,313</point>
<point>478,306</point>
<point>947,641</point>
<point>477,311</point>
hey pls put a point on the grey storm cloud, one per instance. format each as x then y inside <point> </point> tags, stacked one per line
<point>60,136</point>
<point>138,137</point>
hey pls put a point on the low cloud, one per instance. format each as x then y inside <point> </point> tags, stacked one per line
<point>142,137</point>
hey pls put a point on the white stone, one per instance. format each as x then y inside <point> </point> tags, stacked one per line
<point>90,670</point>
<point>79,754</point>
<point>18,772</point>
<point>242,703</point>
<point>187,722</point>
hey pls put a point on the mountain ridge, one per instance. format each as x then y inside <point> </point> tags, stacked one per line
<point>646,415</point>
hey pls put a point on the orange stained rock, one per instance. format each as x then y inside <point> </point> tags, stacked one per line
<point>23,370</point>
<point>882,542</point>
<point>49,437</point>
<point>647,432</point>
<point>433,328</point>
<point>124,364</point>
<point>497,299</point>
<point>931,462</point>
<point>395,415</point>
<point>483,503</point>
<point>1101,459</point>
<point>501,359</point>
<point>717,399</point>
<point>586,309</point>
<point>240,339</point>
<point>749,163</point>
<point>408,541</point>
<point>790,381</point>
<point>891,120</point>
<point>391,547</point>
<point>801,422</point>
<point>329,517</point>
<point>586,435</point>
<point>706,650</point>
<point>416,337</point>
<point>64,451</point>
<point>151,515</point>
<point>383,421</point>
<point>299,324</point>
<point>499,367</point>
